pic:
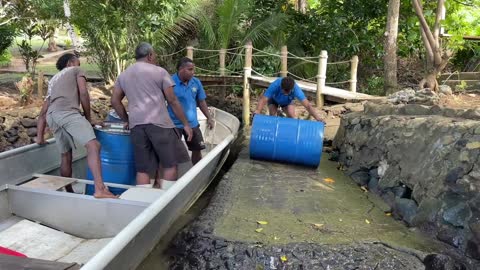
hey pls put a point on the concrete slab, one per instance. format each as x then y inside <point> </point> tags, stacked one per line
<point>306,205</point>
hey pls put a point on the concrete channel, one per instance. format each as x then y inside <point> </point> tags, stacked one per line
<point>266,215</point>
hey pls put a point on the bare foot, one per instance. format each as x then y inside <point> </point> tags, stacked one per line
<point>104,193</point>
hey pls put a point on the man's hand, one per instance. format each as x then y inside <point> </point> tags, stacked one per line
<point>210,123</point>
<point>189,132</point>
<point>96,123</point>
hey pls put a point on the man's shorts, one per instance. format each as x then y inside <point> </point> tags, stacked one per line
<point>154,146</point>
<point>272,101</point>
<point>68,127</point>
<point>197,143</point>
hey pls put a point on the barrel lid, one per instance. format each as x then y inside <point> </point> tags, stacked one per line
<point>113,127</point>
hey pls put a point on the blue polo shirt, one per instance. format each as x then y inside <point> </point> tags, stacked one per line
<point>188,95</point>
<point>274,91</point>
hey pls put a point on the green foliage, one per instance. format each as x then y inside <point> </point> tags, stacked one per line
<point>68,43</point>
<point>374,86</point>
<point>5,58</point>
<point>113,29</point>
<point>461,87</point>
<point>7,34</point>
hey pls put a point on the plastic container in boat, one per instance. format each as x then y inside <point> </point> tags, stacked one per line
<point>286,140</point>
<point>116,157</point>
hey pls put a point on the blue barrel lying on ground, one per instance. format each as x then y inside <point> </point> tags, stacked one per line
<point>286,140</point>
<point>116,156</point>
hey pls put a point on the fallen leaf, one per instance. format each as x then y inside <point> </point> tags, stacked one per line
<point>318,225</point>
<point>262,222</point>
<point>367,221</point>
<point>329,180</point>
<point>388,214</point>
<point>283,258</point>
<point>364,189</point>
<point>276,238</point>
<point>259,230</point>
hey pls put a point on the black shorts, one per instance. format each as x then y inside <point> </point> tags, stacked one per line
<point>154,146</point>
<point>271,101</point>
<point>197,143</point>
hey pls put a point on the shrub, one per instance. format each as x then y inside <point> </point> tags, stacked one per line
<point>7,34</point>
<point>25,87</point>
<point>5,58</point>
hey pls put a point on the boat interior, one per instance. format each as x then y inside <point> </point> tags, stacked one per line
<point>39,219</point>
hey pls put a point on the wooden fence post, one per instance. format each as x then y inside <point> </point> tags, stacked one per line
<point>284,56</point>
<point>247,72</point>
<point>40,84</point>
<point>353,74</point>
<point>223,52</point>
<point>321,77</point>
<point>190,52</point>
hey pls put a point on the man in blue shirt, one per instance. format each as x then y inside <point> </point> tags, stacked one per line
<point>190,93</point>
<point>281,93</point>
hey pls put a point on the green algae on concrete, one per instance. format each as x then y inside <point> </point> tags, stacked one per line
<point>302,206</point>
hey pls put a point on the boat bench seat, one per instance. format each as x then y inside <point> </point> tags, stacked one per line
<point>49,183</point>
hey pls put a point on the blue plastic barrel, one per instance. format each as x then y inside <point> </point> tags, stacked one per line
<point>116,156</point>
<point>286,140</point>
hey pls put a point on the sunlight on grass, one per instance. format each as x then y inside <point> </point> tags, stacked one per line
<point>89,68</point>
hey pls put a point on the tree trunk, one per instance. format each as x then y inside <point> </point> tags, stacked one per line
<point>302,6</point>
<point>390,47</point>
<point>52,44</point>
<point>437,57</point>
<point>70,30</point>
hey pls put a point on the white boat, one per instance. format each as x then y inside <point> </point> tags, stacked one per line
<point>48,225</point>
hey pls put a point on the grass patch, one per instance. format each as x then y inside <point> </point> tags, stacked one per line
<point>10,77</point>
<point>90,69</point>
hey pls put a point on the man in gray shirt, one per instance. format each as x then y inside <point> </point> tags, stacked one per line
<point>66,90</point>
<point>148,87</point>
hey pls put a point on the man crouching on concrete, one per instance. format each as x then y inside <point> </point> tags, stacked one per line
<point>66,90</point>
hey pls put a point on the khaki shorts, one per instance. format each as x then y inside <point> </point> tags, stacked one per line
<point>69,127</point>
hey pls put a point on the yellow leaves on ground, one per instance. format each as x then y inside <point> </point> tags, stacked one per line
<point>364,189</point>
<point>261,222</point>
<point>318,225</point>
<point>276,238</point>
<point>329,180</point>
<point>388,214</point>
<point>367,221</point>
<point>283,258</point>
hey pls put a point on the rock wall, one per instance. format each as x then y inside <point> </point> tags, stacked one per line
<point>19,127</point>
<point>424,161</point>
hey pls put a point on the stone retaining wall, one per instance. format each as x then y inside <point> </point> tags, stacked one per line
<point>423,160</point>
<point>19,127</point>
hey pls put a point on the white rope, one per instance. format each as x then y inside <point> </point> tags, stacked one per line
<point>205,50</point>
<point>264,75</point>
<point>304,57</point>
<point>207,70</point>
<point>300,78</point>
<point>206,57</point>
<point>267,53</point>
<point>233,72</point>
<point>339,62</point>
<point>165,55</point>
<point>337,82</point>
<point>241,54</point>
